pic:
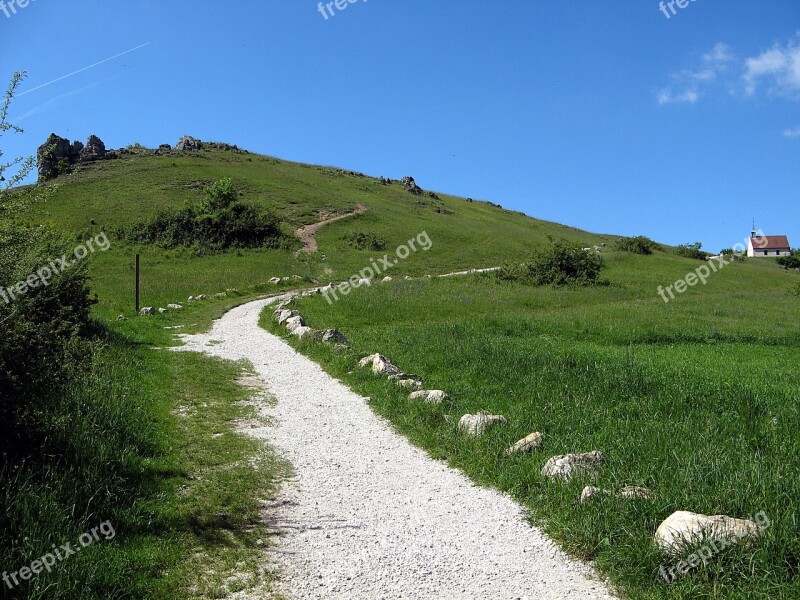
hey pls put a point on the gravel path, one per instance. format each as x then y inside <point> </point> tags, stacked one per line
<point>369,516</point>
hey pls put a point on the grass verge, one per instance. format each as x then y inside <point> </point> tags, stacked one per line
<point>697,403</point>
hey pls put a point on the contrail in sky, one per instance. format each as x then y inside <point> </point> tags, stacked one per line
<point>38,87</point>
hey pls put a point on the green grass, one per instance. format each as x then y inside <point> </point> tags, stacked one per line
<point>108,195</point>
<point>149,441</point>
<point>696,399</point>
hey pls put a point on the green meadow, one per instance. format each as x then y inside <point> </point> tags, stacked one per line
<point>695,398</point>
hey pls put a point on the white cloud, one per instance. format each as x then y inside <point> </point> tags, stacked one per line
<point>720,54</point>
<point>792,132</point>
<point>778,67</point>
<point>687,85</point>
<point>666,96</point>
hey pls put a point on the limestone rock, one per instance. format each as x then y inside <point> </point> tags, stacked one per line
<point>307,333</point>
<point>285,315</point>
<point>428,396</point>
<point>122,318</point>
<point>534,441</point>
<point>478,423</point>
<point>189,143</point>
<point>591,491</point>
<point>275,280</point>
<point>295,322</point>
<point>683,528</point>
<point>94,149</point>
<point>630,492</point>
<point>333,336</point>
<point>633,492</point>
<point>414,384</point>
<point>380,365</point>
<point>386,279</point>
<point>147,310</point>
<point>569,465</point>
<point>161,311</point>
<point>174,306</point>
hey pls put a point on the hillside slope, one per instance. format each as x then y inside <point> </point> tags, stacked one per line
<point>107,195</point>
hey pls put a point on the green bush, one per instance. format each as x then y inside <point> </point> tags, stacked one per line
<point>365,241</point>
<point>691,251</point>
<point>43,331</point>
<point>561,264</point>
<point>220,222</point>
<point>790,262</point>
<point>638,245</point>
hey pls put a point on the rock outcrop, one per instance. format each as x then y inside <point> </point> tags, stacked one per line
<point>189,143</point>
<point>411,186</point>
<point>58,156</point>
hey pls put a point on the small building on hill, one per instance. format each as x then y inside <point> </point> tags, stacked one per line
<point>768,245</point>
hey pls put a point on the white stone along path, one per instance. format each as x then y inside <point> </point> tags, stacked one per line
<point>368,515</point>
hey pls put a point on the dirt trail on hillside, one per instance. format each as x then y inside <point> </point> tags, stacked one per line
<point>367,515</point>
<point>307,233</point>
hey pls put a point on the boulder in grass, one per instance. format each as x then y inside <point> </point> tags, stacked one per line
<point>414,384</point>
<point>569,465</point>
<point>307,333</point>
<point>147,310</point>
<point>333,336</point>
<point>161,311</point>
<point>630,492</point>
<point>367,360</point>
<point>380,365</point>
<point>174,306</point>
<point>534,441</point>
<point>285,315</point>
<point>684,529</point>
<point>275,280</point>
<point>294,322</point>
<point>429,396</point>
<point>479,423</point>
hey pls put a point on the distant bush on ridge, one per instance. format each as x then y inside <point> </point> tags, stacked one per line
<point>637,245</point>
<point>692,251</point>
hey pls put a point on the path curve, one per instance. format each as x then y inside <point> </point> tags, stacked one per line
<point>368,515</point>
<point>308,233</point>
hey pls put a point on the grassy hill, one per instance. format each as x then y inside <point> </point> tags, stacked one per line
<point>695,398</point>
<point>105,196</point>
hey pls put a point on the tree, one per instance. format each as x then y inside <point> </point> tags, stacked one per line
<point>23,165</point>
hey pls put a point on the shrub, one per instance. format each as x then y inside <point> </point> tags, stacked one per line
<point>691,251</point>
<point>365,241</point>
<point>43,331</point>
<point>638,245</point>
<point>561,264</point>
<point>790,262</point>
<point>218,223</point>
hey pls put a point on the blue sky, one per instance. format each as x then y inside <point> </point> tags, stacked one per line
<point>605,115</point>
